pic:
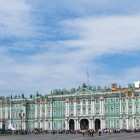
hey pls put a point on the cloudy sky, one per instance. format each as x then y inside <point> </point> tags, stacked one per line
<point>48,44</point>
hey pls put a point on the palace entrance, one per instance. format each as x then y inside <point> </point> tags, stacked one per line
<point>84,124</point>
<point>71,124</point>
<point>97,124</point>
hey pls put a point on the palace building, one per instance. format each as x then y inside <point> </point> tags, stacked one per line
<point>77,109</point>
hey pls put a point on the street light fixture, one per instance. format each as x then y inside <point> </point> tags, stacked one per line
<point>21,115</point>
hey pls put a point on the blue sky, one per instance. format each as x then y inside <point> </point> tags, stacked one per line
<point>48,44</point>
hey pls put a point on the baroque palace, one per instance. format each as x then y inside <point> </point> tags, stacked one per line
<point>84,108</point>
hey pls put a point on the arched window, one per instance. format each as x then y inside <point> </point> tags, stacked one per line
<point>124,124</point>
<point>97,110</point>
<point>111,110</point>
<point>84,102</point>
<point>137,123</point>
<point>130,109</point>
<point>123,109</point>
<point>106,123</point>
<point>89,101</point>
<point>118,124</point>
<point>89,110</point>
<point>84,110</point>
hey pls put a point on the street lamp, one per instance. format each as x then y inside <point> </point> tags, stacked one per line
<point>21,115</point>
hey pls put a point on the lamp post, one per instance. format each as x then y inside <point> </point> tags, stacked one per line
<point>21,115</point>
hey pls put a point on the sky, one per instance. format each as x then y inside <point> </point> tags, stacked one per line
<point>53,44</point>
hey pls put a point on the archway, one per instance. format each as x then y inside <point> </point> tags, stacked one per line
<point>71,124</point>
<point>97,124</point>
<point>84,124</point>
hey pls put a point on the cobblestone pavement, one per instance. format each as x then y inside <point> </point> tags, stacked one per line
<point>122,136</point>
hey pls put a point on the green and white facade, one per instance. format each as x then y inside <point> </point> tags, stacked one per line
<point>82,108</point>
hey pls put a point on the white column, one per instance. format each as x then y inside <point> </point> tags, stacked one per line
<point>36,123</point>
<point>66,125</point>
<point>103,109</point>
<point>91,105</point>
<point>50,124</point>
<point>24,118</point>
<point>120,123</point>
<point>100,107</point>
<point>93,124</point>
<point>68,108</point>
<point>133,122</point>
<point>75,124</point>
<point>133,105</point>
<point>78,125</point>
<point>40,110</point>
<point>10,112</point>
<point>127,123</point>
<point>75,107</point>
<point>126,105</point>
<point>103,123</point>
<point>40,117</point>
<point>120,105</point>
<point>90,124</point>
<point>81,111</point>
<point>46,115</point>
<point>86,107</point>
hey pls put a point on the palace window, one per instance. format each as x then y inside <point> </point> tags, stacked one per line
<point>123,109</point>
<point>106,123</point>
<point>123,100</point>
<point>49,112</point>
<point>137,109</point>
<point>89,110</point>
<point>129,100</point>
<point>54,112</point>
<point>78,111</point>
<point>118,124</point>
<point>117,110</point>
<point>97,100</point>
<point>84,111</point>
<point>84,102</point>
<point>117,100</point>
<point>106,110</point>
<point>71,102</point>
<point>63,102</point>
<point>130,109</point>
<point>137,99</point>
<point>111,110</point>
<point>111,100</point>
<point>63,111</point>
<point>137,123</point>
<point>106,100</point>
<point>97,110</point>
<point>112,123</point>
<point>71,111</point>
<point>59,112</point>
<point>89,101</point>
<point>54,103</point>
<point>59,103</point>
<point>78,101</point>
<point>124,124</point>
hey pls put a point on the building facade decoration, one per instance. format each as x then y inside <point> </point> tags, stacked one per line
<point>83,108</point>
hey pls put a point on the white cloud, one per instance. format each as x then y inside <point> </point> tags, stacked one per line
<point>104,35</point>
<point>15,19</point>
<point>54,68</point>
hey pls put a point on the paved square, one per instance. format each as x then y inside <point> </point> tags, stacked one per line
<point>122,136</point>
